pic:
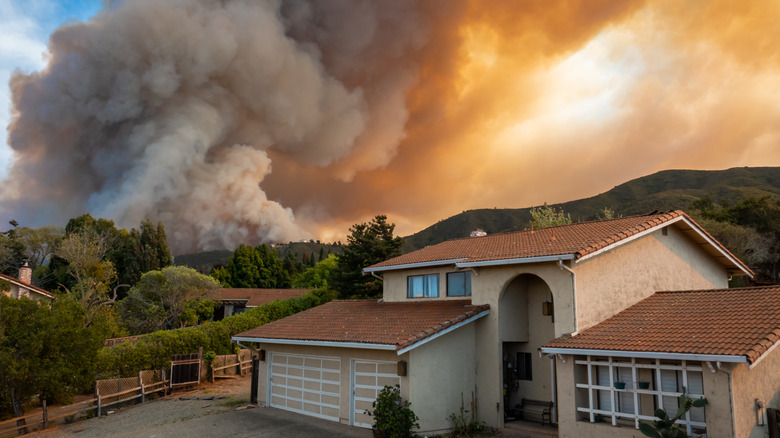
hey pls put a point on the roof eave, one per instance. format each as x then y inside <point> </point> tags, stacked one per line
<point>647,354</point>
<point>413,265</point>
<point>517,261</point>
<point>443,332</point>
<point>719,248</point>
<point>313,343</point>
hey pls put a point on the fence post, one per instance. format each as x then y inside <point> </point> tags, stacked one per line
<point>141,384</point>
<point>97,396</point>
<point>45,414</point>
<point>238,362</point>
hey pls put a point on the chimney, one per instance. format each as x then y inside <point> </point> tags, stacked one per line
<point>25,273</point>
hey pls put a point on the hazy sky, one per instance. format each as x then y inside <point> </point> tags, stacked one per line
<point>244,121</point>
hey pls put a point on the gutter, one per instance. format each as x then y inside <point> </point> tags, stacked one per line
<point>361,345</point>
<point>573,293</point>
<point>719,358</point>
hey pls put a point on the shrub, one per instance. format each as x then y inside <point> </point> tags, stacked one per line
<point>393,415</point>
<point>465,427</point>
<point>154,350</point>
<point>665,427</point>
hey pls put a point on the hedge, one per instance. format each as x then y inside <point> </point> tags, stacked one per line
<point>154,350</point>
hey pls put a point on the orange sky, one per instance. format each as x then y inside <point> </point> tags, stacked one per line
<point>341,110</point>
<point>520,104</point>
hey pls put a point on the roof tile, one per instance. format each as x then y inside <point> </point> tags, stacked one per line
<point>739,322</point>
<point>369,321</point>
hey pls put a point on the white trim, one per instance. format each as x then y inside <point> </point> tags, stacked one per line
<point>630,238</point>
<point>353,398</point>
<point>717,246</point>
<point>647,354</point>
<point>444,332</point>
<point>766,353</point>
<point>693,226</point>
<point>414,265</point>
<point>517,261</point>
<point>361,345</point>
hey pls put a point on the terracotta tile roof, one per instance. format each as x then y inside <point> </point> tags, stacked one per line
<point>258,297</point>
<point>369,321</point>
<point>732,322</point>
<point>28,286</point>
<point>578,240</point>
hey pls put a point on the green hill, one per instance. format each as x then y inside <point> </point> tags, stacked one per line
<point>665,190</point>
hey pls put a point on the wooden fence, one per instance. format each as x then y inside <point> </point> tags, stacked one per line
<point>109,392</point>
<point>231,365</point>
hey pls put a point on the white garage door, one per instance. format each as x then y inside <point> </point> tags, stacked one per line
<point>305,384</point>
<point>368,379</point>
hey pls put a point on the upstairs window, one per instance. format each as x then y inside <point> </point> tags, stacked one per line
<point>423,286</point>
<point>459,284</point>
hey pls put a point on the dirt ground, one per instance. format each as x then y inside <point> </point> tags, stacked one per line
<point>223,409</point>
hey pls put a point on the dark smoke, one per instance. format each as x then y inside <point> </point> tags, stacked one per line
<point>168,109</point>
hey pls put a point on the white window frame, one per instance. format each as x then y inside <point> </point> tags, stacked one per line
<point>427,291</point>
<point>592,387</point>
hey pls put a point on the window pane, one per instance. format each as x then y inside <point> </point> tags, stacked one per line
<point>432,285</point>
<point>605,397</point>
<point>626,399</point>
<point>459,284</point>
<point>669,384</point>
<point>419,286</point>
<point>696,386</point>
<point>416,288</point>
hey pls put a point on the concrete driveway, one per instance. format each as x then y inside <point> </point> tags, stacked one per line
<point>218,410</point>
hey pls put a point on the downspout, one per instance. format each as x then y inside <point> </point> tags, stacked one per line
<point>574,295</point>
<point>374,274</point>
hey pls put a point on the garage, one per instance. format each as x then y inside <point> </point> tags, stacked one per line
<point>305,384</point>
<point>367,380</point>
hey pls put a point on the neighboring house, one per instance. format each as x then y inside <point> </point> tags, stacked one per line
<point>718,344</point>
<point>238,300</point>
<point>510,294</point>
<point>21,287</point>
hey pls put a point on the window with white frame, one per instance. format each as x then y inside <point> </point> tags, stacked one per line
<point>459,284</point>
<point>620,390</point>
<point>423,286</point>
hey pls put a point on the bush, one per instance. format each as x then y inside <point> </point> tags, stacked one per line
<point>153,351</point>
<point>393,415</point>
<point>665,426</point>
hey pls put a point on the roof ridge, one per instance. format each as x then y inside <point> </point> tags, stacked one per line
<point>729,289</point>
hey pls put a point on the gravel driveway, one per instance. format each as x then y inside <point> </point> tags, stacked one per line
<point>216,410</point>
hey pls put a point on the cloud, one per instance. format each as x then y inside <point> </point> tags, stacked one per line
<point>264,121</point>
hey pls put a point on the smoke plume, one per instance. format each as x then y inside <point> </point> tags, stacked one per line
<point>223,117</point>
<point>167,109</point>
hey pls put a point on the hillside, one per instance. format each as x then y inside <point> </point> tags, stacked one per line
<point>665,190</point>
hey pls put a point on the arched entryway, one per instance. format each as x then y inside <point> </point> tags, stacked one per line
<point>526,322</point>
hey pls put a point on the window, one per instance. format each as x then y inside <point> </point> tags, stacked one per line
<point>627,390</point>
<point>459,284</point>
<point>524,366</point>
<point>423,286</point>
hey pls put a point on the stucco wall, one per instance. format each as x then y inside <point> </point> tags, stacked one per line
<point>441,372</point>
<point>394,283</point>
<point>344,354</point>
<point>612,281</point>
<point>761,382</point>
<point>717,412</point>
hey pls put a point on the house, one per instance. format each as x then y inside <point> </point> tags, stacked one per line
<point>718,344</point>
<point>509,293</point>
<point>22,287</point>
<point>238,300</point>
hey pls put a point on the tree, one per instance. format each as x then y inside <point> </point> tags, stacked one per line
<point>319,276</point>
<point>546,216</point>
<point>256,267</point>
<point>160,298</point>
<point>367,244</point>
<point>45,351</point>
<point>84,252</point>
